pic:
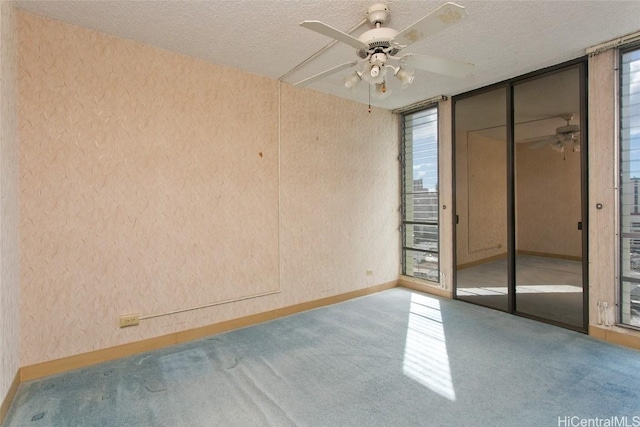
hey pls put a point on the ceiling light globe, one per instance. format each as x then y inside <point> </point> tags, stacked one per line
<point>352,81</point>
<point>405,77</point>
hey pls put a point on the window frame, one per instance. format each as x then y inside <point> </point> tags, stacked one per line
<point>406,250</point>
<point>624,319</point>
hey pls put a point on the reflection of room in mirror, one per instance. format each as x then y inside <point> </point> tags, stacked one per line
<point>546,200</point>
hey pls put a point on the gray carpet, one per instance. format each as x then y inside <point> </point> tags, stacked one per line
<point>396,358</point>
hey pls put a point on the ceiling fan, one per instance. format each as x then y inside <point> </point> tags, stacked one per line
<point>377,48</point>
<point>564,135</point>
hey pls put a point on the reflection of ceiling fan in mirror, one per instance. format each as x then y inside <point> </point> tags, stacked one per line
<point>378,47</point>
<point>564,135</point>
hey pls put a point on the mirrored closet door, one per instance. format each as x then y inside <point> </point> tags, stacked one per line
<point>520,195</point>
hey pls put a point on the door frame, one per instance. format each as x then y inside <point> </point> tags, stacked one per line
<point>582,65</point>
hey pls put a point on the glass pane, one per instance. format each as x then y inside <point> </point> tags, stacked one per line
<point>631,303</point>
<point>481,199</point>
<point>630,255</point>
<point>548,198</point>
<point>422,265</point>
<point>423,237</point>
<point>629,188</point>
<point>421,206</point>
<point>420,194</point>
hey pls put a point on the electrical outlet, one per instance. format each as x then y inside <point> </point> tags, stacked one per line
<point>129,320</point>
<point>369,273</point>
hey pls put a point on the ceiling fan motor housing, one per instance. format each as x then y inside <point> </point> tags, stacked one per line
<point>378,39</point>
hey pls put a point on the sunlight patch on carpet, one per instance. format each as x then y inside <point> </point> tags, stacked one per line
<point>425,355</point>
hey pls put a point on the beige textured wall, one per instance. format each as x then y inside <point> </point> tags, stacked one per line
<point>340,195</point>
<point>481,197</point>
<point>548,201</point>
<point>151,182</point>
<point>602,172</point>
<point>9,285</point>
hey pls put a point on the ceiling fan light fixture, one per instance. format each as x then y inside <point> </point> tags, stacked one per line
<point>406,77</point>
<point>374,74</point>
<point>353,80</point>
<point>576,144</point>
<point>382,91</point>
<point>558,146</point>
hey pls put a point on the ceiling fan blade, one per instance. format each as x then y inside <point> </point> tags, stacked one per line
<point>324,29</point>
<point>448,67</point>
<point>543,138</point>
<point>325,73</point>
<point>444,16</point>
<point>541,142</point>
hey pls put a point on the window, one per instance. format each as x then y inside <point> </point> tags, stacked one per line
<point>420,230</point>
<point>629,184</point>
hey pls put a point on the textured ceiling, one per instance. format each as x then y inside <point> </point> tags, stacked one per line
<point>503,39</point>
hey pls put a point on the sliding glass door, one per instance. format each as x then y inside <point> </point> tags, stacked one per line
<point>548,135</point>
<point>481,199</point>
<point>520,181</point>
